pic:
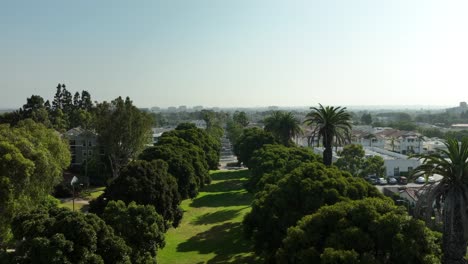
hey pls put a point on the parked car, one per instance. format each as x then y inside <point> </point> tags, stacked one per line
<point>392,180</point>
<point>382,181</point>
<point>372,180</point>
<point>420,180</point>
<point>431,179</point>
<point>403,180</point>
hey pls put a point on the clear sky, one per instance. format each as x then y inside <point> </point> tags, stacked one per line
<point>237,53</point>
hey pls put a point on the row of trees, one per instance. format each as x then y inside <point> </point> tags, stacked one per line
<point>64,112</point>
<point>307,211</point>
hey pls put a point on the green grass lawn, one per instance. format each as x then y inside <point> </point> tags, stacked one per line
<point>88,194</point>
<point>78,206</point>
<point>211,229</point>
<point>92,193</point>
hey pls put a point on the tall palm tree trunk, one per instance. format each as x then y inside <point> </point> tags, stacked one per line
<point>453,240</point>
<point>328,151</point>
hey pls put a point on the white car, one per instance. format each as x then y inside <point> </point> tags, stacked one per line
<point>420,180</point>
<point>382,181</point>
<point>431,179</point>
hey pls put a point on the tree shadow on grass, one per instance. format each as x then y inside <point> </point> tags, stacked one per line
<point>225,186</point>
<point>230,175</point>
<point>223,199</point>
<point>225,240</point>
<point>216,217</point>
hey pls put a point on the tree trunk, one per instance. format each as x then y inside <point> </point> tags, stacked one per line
<point>453,241</point>
<point>328,152</point>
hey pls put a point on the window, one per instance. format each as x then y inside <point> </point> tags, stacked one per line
<point>90,143</point>
<point>84,153</point>
<point>396,171</point>
<point>410,169</point>
<point>90,152</point>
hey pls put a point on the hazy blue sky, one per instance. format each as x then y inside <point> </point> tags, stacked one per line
<point>237,53</point>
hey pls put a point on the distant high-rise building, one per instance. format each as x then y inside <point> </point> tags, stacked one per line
<point>172,109</point>
<point>198,108</point>
<point>182,108</point>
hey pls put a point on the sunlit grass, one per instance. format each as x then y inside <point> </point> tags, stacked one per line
<point>211,230</point>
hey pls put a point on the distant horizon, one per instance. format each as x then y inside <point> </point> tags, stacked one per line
<point>351,107</point>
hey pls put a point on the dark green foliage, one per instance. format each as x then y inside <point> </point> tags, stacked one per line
<point>370,231</point>
<point>187,163</point>
<point>58,235</point>
<point>140,226</point>
<point>66,111</point>
<point>251,140</point>
<point>270,163</point>
<point>198,137</point>
<point>240,118</point>
<point>366,119</point>
<point>284,126</point>
<point>146,183</point>
<point>299,193</point>
<point>123,131</point>
<point>351,159</point>
<point>332,125</point>
<point>448,198</point>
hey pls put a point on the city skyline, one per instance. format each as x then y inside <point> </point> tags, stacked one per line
<point>237,53</point>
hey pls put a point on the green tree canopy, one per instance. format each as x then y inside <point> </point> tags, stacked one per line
<point>240,118</point>
<point>123,131</point>
<point>351,159</point>
<point>198,137</point>
<point>251,140</point>
<point>332,125</point>
<point>140,226</point>
<point>284,126</point>
<point>448,198</point>
<point>366,119</point>
<point>187,163</point>
<point>58,235</point>
<point>373,165</point>
<point>370,231</point>
<point>271,162</point>
<point>299,193</point>
<point>32,158</point>
<point>146,183</point>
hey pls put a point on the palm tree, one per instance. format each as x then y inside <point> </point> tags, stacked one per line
<point>283,126</point>
<point>332,125</point>
<point>448,197</point>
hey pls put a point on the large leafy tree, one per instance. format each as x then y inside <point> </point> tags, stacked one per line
<point>58,235</point>
<point>351,159</point>
<point>270,163</point>
<point>240,118</point>
<point>123,131</point>
<point>140,226</point>
<point>449,196</point>
<point>209,144</point>
<point>32,159</point>
<point>371,230</point>
<point>146,183</point>
<point>284,126</point>
<point>250,140</point>
<point>187,163</point>
<point>299,193</point>
<point>332,125</point>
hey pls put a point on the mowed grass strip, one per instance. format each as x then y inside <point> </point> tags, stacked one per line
<point>211,230</point>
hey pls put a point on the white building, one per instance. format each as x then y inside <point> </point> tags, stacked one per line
<point>395,163</point>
